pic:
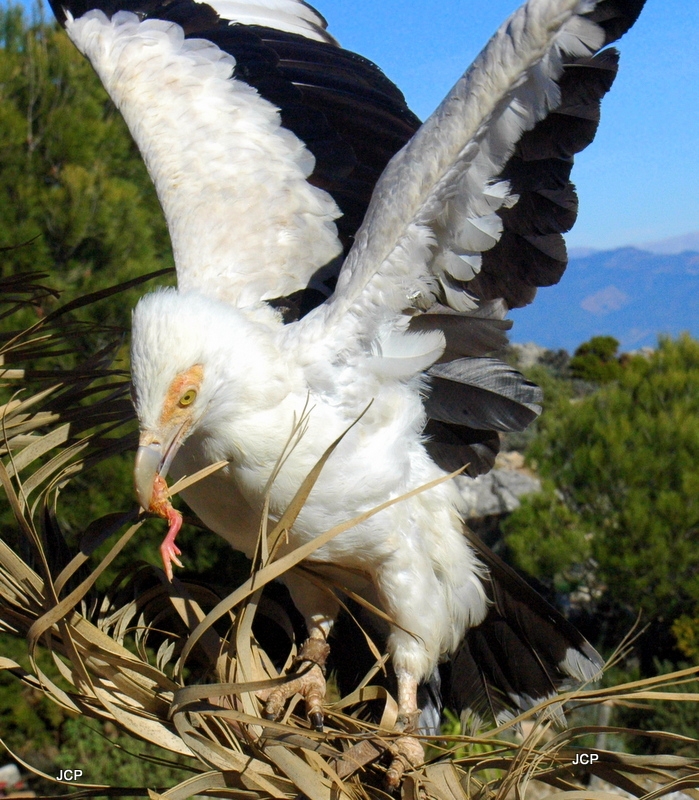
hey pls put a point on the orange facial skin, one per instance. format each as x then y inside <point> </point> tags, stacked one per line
<point>174,413</point>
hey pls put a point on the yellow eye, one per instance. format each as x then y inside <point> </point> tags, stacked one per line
<point>188,398</point>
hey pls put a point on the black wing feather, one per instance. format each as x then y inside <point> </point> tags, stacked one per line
<point>483,393</point>
<point>346,111</point>
<point>455,446</point>
<point>531,251</point>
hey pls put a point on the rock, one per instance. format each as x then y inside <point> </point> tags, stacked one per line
<point>499,491</point>
<point>528,354</point>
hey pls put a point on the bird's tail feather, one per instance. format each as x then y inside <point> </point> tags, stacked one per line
<point>522,653</point>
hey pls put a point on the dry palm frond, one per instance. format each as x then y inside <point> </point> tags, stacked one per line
<point>178,666</point>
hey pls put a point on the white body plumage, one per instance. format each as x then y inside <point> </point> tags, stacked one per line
<point>254,390</point>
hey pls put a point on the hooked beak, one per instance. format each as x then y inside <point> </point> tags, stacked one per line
<point>153,459</point>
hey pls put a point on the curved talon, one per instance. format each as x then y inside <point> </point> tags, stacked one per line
<point>407,753</point>
<point>310,685</point>
<point>316,720</point>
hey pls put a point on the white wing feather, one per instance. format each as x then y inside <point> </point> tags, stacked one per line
<point>292,16</point>
<point>245,223</point>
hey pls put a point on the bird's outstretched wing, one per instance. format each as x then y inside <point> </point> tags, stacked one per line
<point>467,221</point>
<point>472,210</point>
<point>263,137</point>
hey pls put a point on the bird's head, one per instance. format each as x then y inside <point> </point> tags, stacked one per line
<point>196,364</point>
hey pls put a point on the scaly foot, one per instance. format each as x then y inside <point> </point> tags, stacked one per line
<point>408,753</point>
<point>310,683</point>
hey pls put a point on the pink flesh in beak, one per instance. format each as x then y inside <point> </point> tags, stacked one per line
<point>160,504</point>
<point>152,493</point>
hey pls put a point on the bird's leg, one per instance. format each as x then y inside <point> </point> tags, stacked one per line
<point>407,751</point>
<point>310,684</point>
<point>319,609</point>
<point>408,712</point>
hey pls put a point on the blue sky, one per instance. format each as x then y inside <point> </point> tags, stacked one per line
<point>637,182</point>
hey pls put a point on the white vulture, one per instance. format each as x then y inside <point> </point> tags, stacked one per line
<point>333,255</point>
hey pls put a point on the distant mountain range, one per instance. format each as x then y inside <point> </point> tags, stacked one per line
<point>631,293</point>
<point>676,244</point>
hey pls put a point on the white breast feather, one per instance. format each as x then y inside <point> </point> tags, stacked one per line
<point>244,222</point>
